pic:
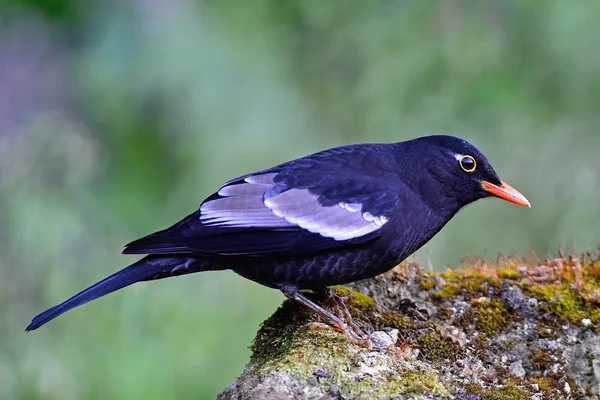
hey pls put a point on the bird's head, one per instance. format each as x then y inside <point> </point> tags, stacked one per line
<point>457,173</point>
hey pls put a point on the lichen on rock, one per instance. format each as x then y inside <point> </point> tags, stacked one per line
<point>510,328</point>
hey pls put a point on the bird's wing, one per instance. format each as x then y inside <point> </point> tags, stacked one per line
<point>263,214</point>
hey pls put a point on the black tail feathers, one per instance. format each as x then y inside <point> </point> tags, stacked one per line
<point>148,268</point>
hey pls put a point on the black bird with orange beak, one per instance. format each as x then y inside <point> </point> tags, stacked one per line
<point>330,218</point>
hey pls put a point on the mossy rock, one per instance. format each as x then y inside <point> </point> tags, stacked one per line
<point>510,328</point>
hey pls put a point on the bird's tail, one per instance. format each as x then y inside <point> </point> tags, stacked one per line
<point>148,268</point>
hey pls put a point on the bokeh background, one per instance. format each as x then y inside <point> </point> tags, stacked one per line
<point>118,117</point>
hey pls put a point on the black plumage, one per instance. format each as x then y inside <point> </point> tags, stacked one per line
<point>333,217</point>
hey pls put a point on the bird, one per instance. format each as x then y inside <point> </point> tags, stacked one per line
<point>330,218</point>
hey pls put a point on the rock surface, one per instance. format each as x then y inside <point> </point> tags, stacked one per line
<point>511,328</point>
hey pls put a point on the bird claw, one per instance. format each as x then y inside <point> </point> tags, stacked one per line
<point>337,302</point>
<point>346,297</point>
<point>315,325</point>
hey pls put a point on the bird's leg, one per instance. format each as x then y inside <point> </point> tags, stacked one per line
<point>337,302</point>
<point>333,322</point>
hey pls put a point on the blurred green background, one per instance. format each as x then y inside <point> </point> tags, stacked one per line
<point>118,117</point>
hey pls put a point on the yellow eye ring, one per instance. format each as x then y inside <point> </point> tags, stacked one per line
<point>467,163</point>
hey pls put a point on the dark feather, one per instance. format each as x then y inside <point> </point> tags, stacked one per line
<point>147,268</point>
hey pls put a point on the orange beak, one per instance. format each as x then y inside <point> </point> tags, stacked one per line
<point>506,192</point>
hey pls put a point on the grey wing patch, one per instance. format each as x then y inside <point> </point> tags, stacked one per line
<point>241,205</point>
<point>343,221</point>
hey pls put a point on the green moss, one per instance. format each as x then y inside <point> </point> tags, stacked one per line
<point>508,391</point>
<point>449,275</point>
<point>436,349</point>
<point>477,284</point>
<point>315,349</point>
<point>518,389</point>
<point>470,286</point>
<point>546,331</point>
<point>490,317</point>
<point>573,299</point>
<point>552,387</point>
<point>566,303</point>
<point>409,330</point>
<point>447,292</point>
<point>481,345</point>
<point>428,284</point>
<point>274,338</point>
<point>543,360</point>
<point>356,299</point>
<point>424,335</point>
<point>509,273</point>
<point>397,321</point>
<point>415,381</point>
<point>546,385</point>
<point>562,300</point>
<point>329,351</point>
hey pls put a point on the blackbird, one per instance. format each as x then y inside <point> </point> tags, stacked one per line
<point>330,218</point>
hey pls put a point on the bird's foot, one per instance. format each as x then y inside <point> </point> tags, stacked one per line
<point>348,328</point>
<point>337,302</point>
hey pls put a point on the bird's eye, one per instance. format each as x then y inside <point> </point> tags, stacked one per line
<point>467,163</point>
